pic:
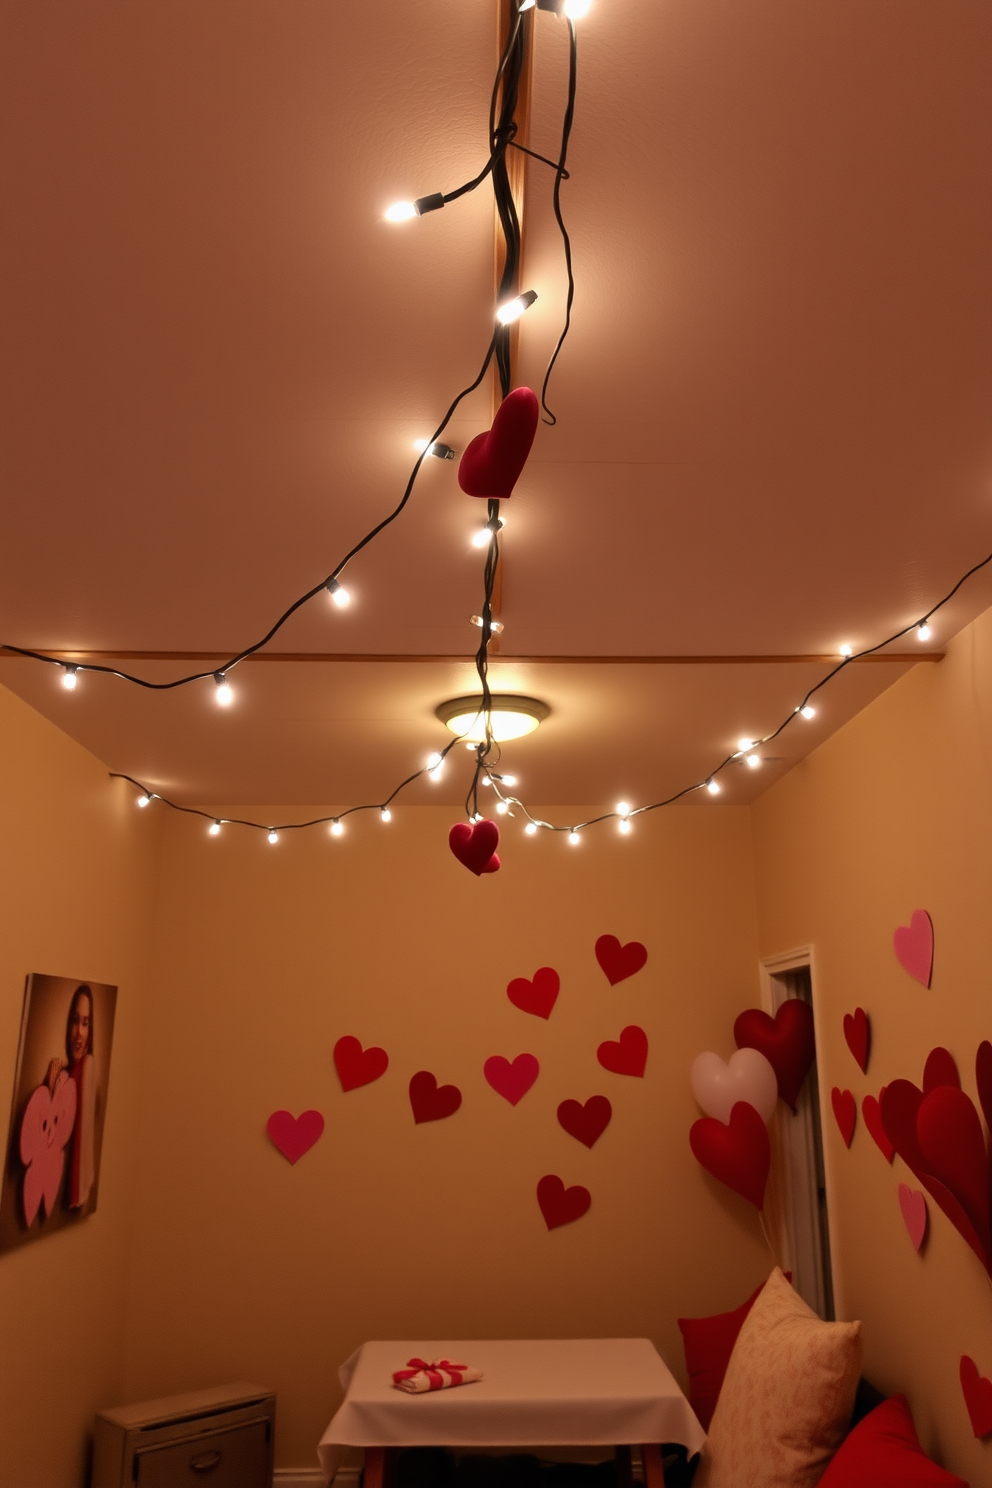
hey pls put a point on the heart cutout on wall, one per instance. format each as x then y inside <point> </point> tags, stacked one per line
<point>294,1135</point>
<point>872,1113</point>
<point>561,1205</point>
<point>431,1101</point>
<point>977,1393</point>
<point>940,1069</point>
<point>857,1032</point>
<point>511,1081</point>
<point>537,996</point>
<point>913,1207</point>
<point>493,461</point>
<point>845,1113</point>
<point>474,845</point>
<point>357,1066</point>
<point>787,1042</point>
<point>737,1153</point>
<point>913,945</point>
<point>588,1122</point>
<point>627,1055</point>
<point>617,961</point>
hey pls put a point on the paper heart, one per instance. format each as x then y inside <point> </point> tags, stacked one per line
<point>983,1078</point>
<point>787,1042</point>
<point>537,996</point>
<point>619,961</point>
<point>294,1135</point>
<point>977,1393</point>
<point>738,1153</point>
<point>857,1032</point>
<point>953,1147</point>
<point>474,845</point>
<point>46,1127</point>
<point>940,1069</point>
<point>747,1076</point>
<point>913,945</point>
<point>357,1066</point>
<point>845,1113</point>
<point>629,1056</point>
<point>431,1101</point>
<point>586,1123</point>
<point>511,1081</point>
<point>561,1205</point>
<point>491,465</point>
<point>872,1113</point>
<point>913,1207</point>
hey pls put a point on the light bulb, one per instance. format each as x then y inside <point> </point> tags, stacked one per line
<point>623,825</point>
<point>501,808</point>
<point>144,800</point>
<point>400,212</point>
<point>482,538</point>
<point>713,787</point>
<point>808,711</point>
<point>508,779</point>
<point>337,828</point>
<point>214,829</point>
<point>225,692</point>
<point>495,626</point>
<point>754,760</point>
<point>513,309</point>
<point>576,9</point>
<point>423,446</point>
<point>273,836</point>
<point>435,765</point>
<point>923,632</point>
<point>338,593</point>
<point>530,828</point>
<point>386,814</point>
<point>573,838</point>
<point>477,817</point>
<point>845,650</point>
<point>743,745</point>
<point>69,679</point>
<point>623,809</point>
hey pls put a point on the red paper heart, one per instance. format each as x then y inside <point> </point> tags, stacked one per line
<point>561,1205</point>
<point>787,1042</point>
<point>940,1069</point>
<point>619,961</point>
<point>431,1101</point>
<point>475,844</point>
<point>294,1135</point>
<point>511,1081</point>
<point>983,1077</point>
<point>913,945</point>
<point>977,1391</point>
<point>491,465</point>
<point>845,1113</point>
<point>872,1113</point>
<point>586,1123</point>
<point>857,1031</point>
<point>629,1056</point>
<point>357,1066</point>
<point>537,996</point>
<point>953,1147</point>
<point>739,1153</point>
<point>913,1208</point>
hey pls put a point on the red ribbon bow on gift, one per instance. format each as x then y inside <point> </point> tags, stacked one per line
<point>433,1372</point>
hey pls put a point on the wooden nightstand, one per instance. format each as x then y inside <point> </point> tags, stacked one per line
<point>221,1438</point>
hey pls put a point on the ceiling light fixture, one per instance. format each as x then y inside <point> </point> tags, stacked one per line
<point>511,717</point>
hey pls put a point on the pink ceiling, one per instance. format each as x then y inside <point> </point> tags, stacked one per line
<point>773,424</point>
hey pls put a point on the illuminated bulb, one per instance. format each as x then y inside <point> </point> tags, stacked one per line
<point>400,212</point>
<point>713,787</point>
<point>573,838</point>
<point>527,4</point>
<point>144,800</point>
<point>530,828</point>
<point>923,632</point>
<point>495,626</point>
<point>338,593</point>
<point>508,779</point>
<point>623,808</point>
<point>386,814</point>
<point>225,692</point>
<point>69,678</point>
<point>744,745</point>
<point>214,829</point>
<point>501,808</point>
<point>513,309</point>
<point>434,766</point>
<point>845,650</point>
<point>754,760</point>
<point>576,9</point>
<point>809,711</point>
<point>423,446</point>
<point>337,828</point>
<point>273,836</point>
<point>624,825</point>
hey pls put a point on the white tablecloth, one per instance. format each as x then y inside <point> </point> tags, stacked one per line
<point>535,1392</point>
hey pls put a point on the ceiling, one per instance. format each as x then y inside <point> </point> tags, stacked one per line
<point>773,408</point>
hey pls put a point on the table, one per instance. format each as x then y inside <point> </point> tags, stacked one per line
<point>535,1392</point>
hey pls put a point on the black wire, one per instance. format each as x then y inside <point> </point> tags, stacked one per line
<point>562,175</point>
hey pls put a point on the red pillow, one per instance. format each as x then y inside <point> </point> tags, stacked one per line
<point>709,1343</point>
<point>883,1451</point>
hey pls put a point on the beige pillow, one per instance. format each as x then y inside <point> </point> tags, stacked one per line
<point>786,1399</point>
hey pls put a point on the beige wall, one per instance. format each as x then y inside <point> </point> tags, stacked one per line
<point>244,1266</point>
<point>77,878</point>
<point>893,814</point>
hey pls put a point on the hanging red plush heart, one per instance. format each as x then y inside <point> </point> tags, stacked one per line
<point>561,1205</point>
<point>588,1122</point>
<point>857,1032</point>
<point>619,961</point>
<point>845,1113</point>
<point>871,1111</point>
<point>537,996</point>
<point>430,1101</point>
<point>739,1153</point>
<point>357,1066</point>
<point>787,1042</point>
<point>475,844</point>
<point>491,465</point>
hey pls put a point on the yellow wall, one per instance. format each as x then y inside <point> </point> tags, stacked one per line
<point>244,1266</point>
<point>894,813</point>
<point>78,876</point>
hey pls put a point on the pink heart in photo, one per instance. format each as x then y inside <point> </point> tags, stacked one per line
<point>46,1127</point>
<point>617,961</point>
<point>913,945</point>
<point>561,1205</point>
<point>511,1081</point>
<point>913,1207</point>
<point>537,996</point>
<point>294,1135</point>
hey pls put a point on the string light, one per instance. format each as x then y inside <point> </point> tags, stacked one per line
<point>435,765</point>
<point>214,829</point>
<point>225,692</point>
<point>574,839</point>
<point>808,711</point>
<point>531,829</point>
<point>743,745</point>
<point>845,650</point>
<point>273,836</point>
<point>502,807</point>
<point>576,9</point>
<point>512,310</point>
<point>754,760</point>
<point>510,780</point>
<point>337,828</point>
<point>385,814</point>
<point>713,786</point>
<point>923,632</point>
<point>495,626</point>
<point>623,825</point>
<point>623,808</point>
<point>485,535</point>
<point>435,448</point>
<point>69,678</point>
<point>144,800</point>
<point>338,593</point>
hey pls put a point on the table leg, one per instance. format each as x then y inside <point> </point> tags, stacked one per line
<point>380,1467</point>
<point>654,1471</point>
<point>621,1456</point>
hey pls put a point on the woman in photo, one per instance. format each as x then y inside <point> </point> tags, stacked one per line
<point>80,1066</point>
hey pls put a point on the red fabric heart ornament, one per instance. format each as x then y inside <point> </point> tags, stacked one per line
<point>913,945</point>
<point>294,1135</point>
<point>619,961</point>
<point>474,845</point>
<point>787,1042</point>
<point>857,1032</point>
<point>845,1113</point>
<point>561,1205</point>
<point>511,1081</point>
<point>739,1153</point>
<point>940,1069</point>
<point>431,1101</point>
<point>537,996</point>
<point>491,465</point>
<point>357,1066</point>
<point>629,1056</point>
<point>586,1123</point>
<point>872,1114</point>
<point>977,1393</point>
<point>953,1146</point>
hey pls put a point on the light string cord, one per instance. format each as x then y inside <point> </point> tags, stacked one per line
<point>561,174</point>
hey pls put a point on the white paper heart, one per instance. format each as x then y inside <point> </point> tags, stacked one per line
<point>747,1076</point>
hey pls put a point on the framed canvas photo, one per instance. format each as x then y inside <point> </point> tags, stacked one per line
<point>51,1175</point>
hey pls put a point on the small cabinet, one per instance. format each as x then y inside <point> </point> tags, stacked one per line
<point>219,1438</point>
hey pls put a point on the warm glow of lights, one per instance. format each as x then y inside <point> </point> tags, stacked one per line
<point>386,814</point>
<point>511,717</point>
<point>530,828</point>
<point>923,632</point>
<point>337,828</point>
<point>624,825</point>
<point>743,745</point>
<point>435,766</point>
<point>513,309</point>
<point>273,836</point>
<point>214,829</point>
<point>623,808</point>
<point>576,9</point>
<point>224,694</point>
<point>501,808</point>
<point>423,446</point>
<point>400,212</point>
<point>495,626</point>
<point>713,786</point>
<point>508,779</point>
<point>69,679</point>
<point>809,711</point>
<point>339,594</point>
<point>754,760</point>
<point>574,838</point>
<point>845,650</point>
<point>144,800</point>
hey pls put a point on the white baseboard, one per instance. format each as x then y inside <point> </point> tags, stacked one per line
<point>312,1477</point>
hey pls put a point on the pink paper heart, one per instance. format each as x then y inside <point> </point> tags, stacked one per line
<point>913,945</point>
<point>474,845</point>
<point>491,465</point>
<point>913,1207</point>
<point>511,1081</point>
<point>294,1135</point>
<point>45,1129</point>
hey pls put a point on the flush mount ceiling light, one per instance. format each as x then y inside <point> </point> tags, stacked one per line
<point>512,716</point>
